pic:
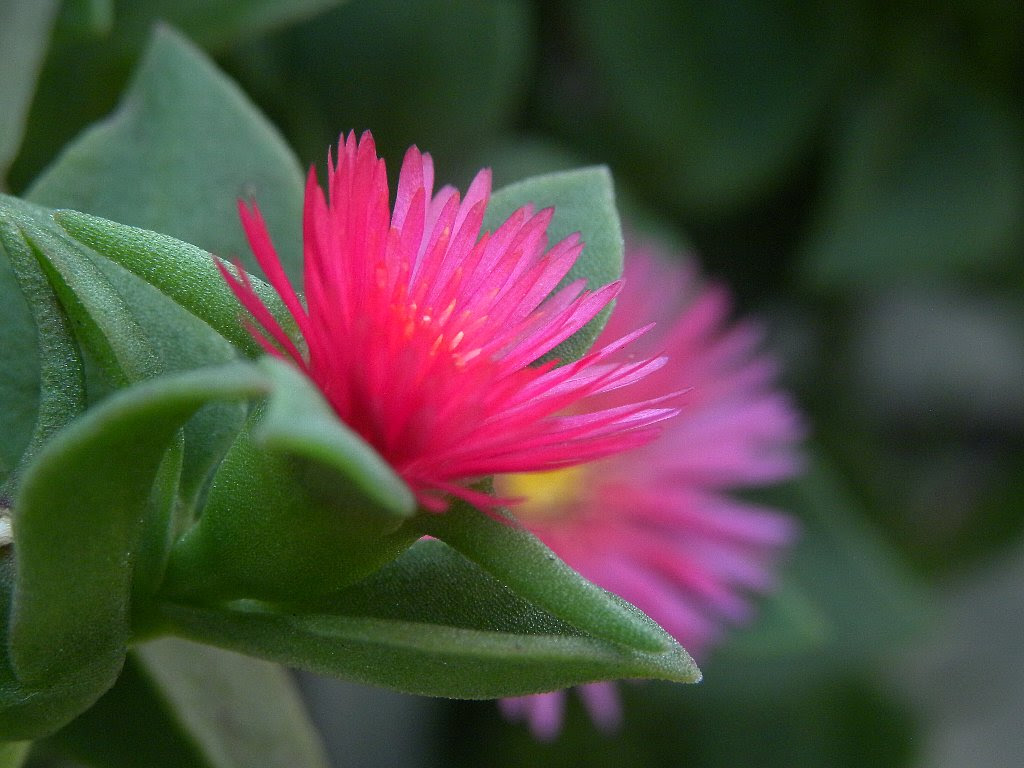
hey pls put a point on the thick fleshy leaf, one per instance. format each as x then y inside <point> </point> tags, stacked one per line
<point>193,706</point>
<point>19,353</point>
<point>132,331</point>
<point>584,202</point>
<point>519,559</point>
<point>165,519</point>
<point>24,36</point>
<point>298,421</point>
<point>103,321</point>
<point>183,146</point>
<point>42,386</point>
<point>431,623</point>
<point>186,274</point>
<point>299,507</point>
<point>81,506</point>
<point>28,711</point>
<point>928,183</point>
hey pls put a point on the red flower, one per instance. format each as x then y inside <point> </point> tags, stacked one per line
<point>657,526</point>
<point>422,333</point>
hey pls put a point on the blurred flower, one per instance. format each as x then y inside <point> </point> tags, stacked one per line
<point>655,525</point>
<point>420,331</point>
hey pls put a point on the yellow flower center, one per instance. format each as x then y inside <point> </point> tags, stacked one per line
<point>547,495</point>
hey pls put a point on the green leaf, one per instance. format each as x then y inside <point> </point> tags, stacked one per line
<point>431,623</point>
<point>182,147</point>
<point>186,274</point>
<point>103,321</point>
<point>28,711</point>
<point>41,383</point>
<point>298,421</point>
<point>193,706</point>
<point>24,36</point>
<point>181,340</point>
<point>164,521</point>
<point>19,353</point>
<point>455,73</point>
<point>133,329</point>
<point>719,100</point>
<point>519,559</point>
<point>299,507</point>
<point>79,511</point>
<point>13,753</point>
<point>98,43</point>
<point>928,183</point>
<point>584,202</point>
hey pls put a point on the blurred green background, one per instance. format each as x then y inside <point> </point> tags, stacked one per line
<point>855,171</point>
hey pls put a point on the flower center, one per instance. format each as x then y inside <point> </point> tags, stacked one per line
<point>547,495</point>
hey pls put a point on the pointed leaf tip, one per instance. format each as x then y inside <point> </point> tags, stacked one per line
<point>519,559</point>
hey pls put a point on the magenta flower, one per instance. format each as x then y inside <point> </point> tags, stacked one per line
<point>656,525</point>
<point>420,331</point>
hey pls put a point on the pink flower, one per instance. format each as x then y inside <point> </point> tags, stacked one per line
<point>656,525</point>
<point>420,331</point>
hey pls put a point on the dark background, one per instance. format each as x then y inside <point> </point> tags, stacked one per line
<point>855,172</point>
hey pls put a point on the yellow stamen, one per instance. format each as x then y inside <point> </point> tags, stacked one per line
<point>547,495</point>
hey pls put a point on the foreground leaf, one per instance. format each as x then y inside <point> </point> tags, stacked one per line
<point>39,395</point>
<point>193,706</point>
<point>430,623</point>
<point>298,421</point>
<point>299,507</point>
<point>103,321</point>
<point>28,711</point>
<point>164,520</point>
<point>132,331</point>
<point>70,511</point>
<point>19,354</point>
<point>184,273</point>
